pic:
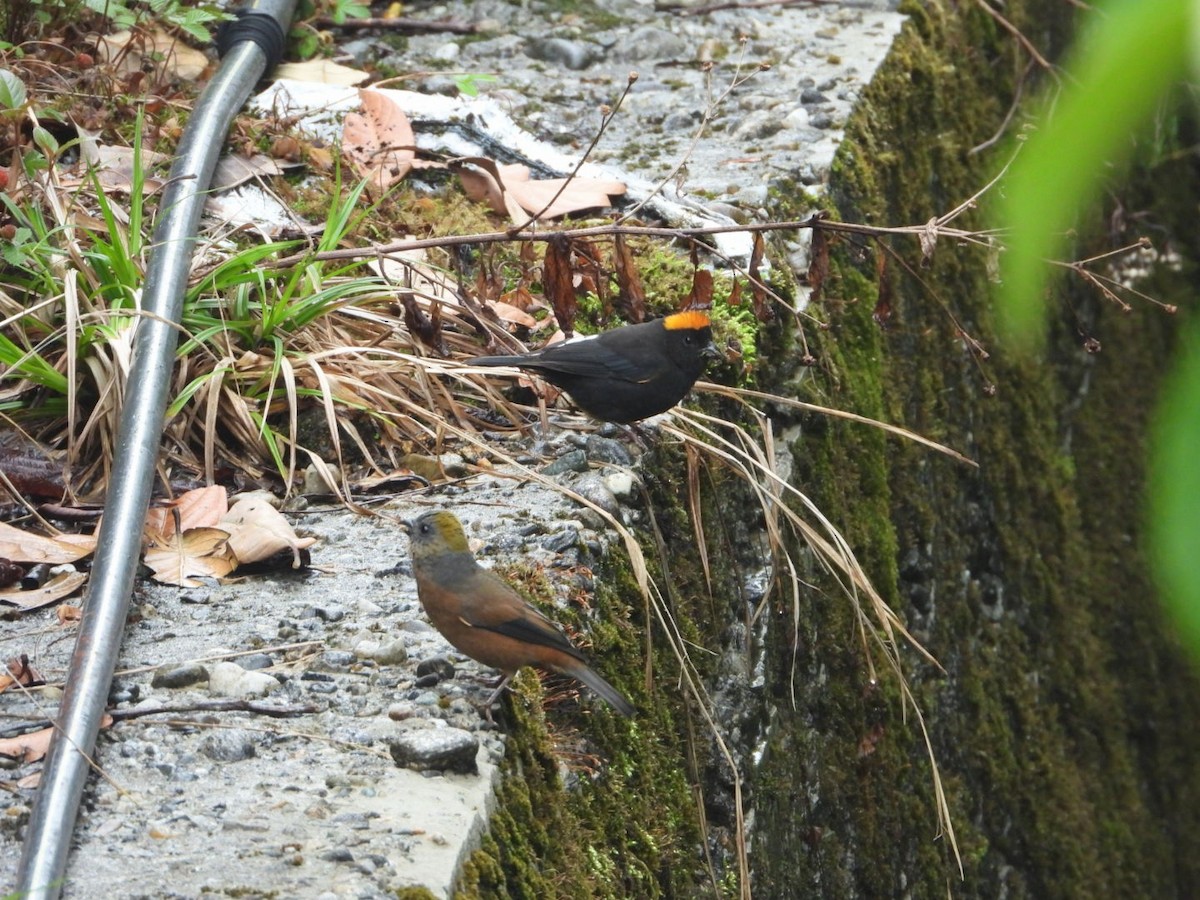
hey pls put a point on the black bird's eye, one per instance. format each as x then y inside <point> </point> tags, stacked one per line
<point>687,338</point>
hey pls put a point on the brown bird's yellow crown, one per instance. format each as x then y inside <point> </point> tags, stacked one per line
<point>692,319</point>
<point>437,532</point>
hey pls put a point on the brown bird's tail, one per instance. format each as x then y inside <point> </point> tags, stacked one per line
<point>603,689</point>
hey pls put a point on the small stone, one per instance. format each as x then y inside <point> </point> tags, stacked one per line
<point>390,654</point>
<point>438,666</point>
<point>761,123</point>
<point>338,660</point>
<point>571,461</point>
<point>256,661</point>
<point>592,487</point>
<point>324,613</point>
<point>445,749</point>
<point>232,745</point>
<point>812,95</point>
<point>573,55</point>
<point>606,450</point>
<point>797,118</point>
<point>179,676</point>
<point>227,679</point>
<point>621,484</point>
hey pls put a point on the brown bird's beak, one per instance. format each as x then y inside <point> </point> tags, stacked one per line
<point>406,527</point>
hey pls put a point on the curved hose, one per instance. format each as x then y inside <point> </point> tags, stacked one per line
<point>249,45</point>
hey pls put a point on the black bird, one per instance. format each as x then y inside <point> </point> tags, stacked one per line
<point>629,373</point>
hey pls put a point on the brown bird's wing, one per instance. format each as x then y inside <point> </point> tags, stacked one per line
<point>509,615</point>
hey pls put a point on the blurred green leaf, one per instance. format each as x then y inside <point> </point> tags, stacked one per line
<point>1124,64</point>
<point>1174,521</point>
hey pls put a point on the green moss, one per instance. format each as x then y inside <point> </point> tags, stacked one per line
<point>625,824</point>
<point>1024,576</point>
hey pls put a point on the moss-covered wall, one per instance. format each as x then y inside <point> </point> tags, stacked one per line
<point>1064,724</point>
<point>1064,721</point>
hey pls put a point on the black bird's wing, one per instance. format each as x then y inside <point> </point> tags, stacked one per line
<point>577,358</point>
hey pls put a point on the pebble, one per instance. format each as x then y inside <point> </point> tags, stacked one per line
<point>621,485</point>
<point>606,450</point>
<point>591,487</point>
<point>256,661</point>
<point>561,540</point>
<point>438,666</point>
<point>228,745</point>
<point>445,749</point>
<point>226,679</point>
<point>571,461</point>
<point>574,55</point>
<point>173,676</point>
<point>391,653</point>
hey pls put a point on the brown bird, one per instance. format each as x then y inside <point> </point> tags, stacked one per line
<point>477,612</point>
<point>626,374</point>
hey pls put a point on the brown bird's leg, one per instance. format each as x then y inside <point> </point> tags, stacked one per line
<point>495,695</point>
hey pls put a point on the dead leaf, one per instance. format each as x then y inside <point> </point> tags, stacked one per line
<point>233,170</point>
<point>818,265</point>
<point>427,328</point>
<point>68,614</point>
<point>378,142</point>
<point>508,190</point>
<point>61,585</point>
<point>579,195</point>
<point>128,52</point>
<point>19,671</point>
<point>258,531</point>
<point>763,311</point>
<point>483,183</point>
<point>882,314</point>
<point>928,239</point>
<point>557,283</point>
<point>22,546</point>
<point>28,748</point>
<point>631,296</point>
<point>506,312</point>
<point>322,71</point>
<point>199,552</point>
<point>701,296</point>
<point>200,508</point>
<point>10,572</point>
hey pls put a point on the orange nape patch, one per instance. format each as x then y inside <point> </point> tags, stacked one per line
<point>693,318</point>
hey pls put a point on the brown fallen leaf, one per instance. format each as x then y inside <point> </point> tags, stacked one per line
<point>61,585</point>
<point>378,142</point>
<point>19,671</point>
<point>508,190</point>
<point>69,614</point>
<point>322,71</point>
<point>258,531</point>
<point>482,182</point>
<point>129,51</point>
<point>24,546</point>
<point>28,748</point>
<point>506,312</point>
<point>200,508</point>
<point>199,552</point>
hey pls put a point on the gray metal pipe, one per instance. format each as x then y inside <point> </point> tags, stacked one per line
<point>48,839</point>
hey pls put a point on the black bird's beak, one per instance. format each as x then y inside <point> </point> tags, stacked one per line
<point>712,351</point>
<point>406,527</point>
